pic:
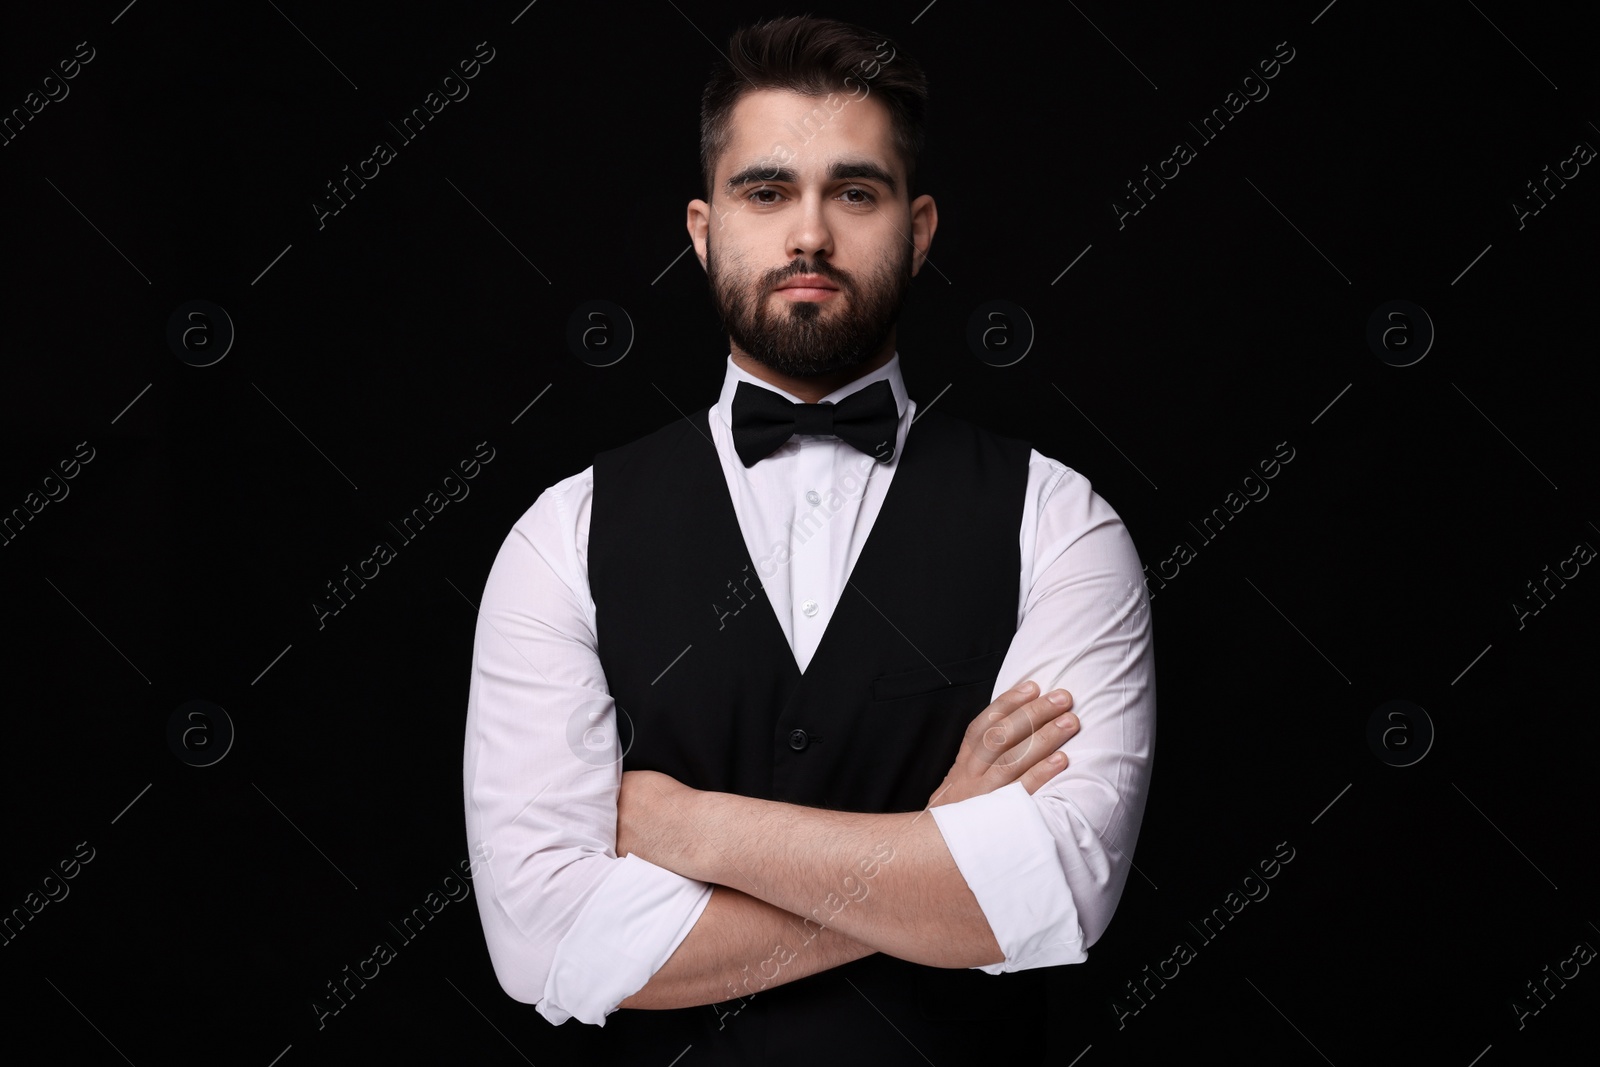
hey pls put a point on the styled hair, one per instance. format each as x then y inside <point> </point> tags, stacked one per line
<point>814,57</point>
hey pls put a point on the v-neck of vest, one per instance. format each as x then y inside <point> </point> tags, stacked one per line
<point>888,517</point>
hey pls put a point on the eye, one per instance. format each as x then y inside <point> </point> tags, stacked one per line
<point>867,196</point>
<point>755,193</point>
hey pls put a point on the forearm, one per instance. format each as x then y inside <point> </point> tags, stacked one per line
<point>885,880</point>
<point>738,947</point>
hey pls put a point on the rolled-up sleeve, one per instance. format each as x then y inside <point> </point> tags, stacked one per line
<point>571,928</point>
<point>1048,869</point>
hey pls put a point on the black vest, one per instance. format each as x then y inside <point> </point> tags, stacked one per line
<point>709,692</point>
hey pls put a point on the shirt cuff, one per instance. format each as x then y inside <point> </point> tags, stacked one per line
<point>629,927</point>
<point>1005,851</point>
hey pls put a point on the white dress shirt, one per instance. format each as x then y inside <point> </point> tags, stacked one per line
<point>574,930</point>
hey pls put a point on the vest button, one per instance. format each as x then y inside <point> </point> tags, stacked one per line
<point>798,739</point>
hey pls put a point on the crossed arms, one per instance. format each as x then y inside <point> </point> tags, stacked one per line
<point>799,890</point>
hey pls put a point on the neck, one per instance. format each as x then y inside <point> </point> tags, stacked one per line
<point>812,390</point>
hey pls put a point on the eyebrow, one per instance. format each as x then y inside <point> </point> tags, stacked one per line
<point>841,170</point>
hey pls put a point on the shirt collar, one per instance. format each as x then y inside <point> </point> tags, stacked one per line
<point>734,374</point>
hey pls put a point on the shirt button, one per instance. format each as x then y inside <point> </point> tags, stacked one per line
<point>809,607</point>
<point>812,498</point>
<point>798,739</point>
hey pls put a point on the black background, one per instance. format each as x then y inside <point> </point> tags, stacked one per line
<point>374,353</point>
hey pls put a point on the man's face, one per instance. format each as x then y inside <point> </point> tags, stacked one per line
<point>810,189</point>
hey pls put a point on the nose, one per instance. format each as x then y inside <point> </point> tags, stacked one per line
<point>810,237</point>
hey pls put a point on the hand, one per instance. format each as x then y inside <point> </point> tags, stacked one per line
<point>653,817</point>
<point>1012,739</point>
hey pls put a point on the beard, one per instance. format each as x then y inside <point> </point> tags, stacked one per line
<point>808,339</point>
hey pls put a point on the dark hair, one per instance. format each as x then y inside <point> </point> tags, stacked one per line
<point>814,57</point>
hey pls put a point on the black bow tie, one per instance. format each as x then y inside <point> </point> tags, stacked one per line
<point>763,420</point>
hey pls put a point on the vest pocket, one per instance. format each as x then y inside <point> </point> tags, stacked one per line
<point>931,678</point>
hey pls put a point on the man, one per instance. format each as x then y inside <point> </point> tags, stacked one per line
<point>787,830</point>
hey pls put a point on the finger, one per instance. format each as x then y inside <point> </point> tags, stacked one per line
<point>1008,702</point>
<point>1035,751</point>
<point>1022,723</point>
<point>1036,776</point>
<point>999,711</point>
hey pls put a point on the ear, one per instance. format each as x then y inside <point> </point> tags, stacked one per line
<point>924,221</point>
<point>699,225</point>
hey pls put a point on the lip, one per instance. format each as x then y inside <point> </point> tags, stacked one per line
<point>804,292</point>
<point>807,287</point>
<point>810,283</point>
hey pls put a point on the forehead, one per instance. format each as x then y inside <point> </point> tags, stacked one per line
<point>807,132</point>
